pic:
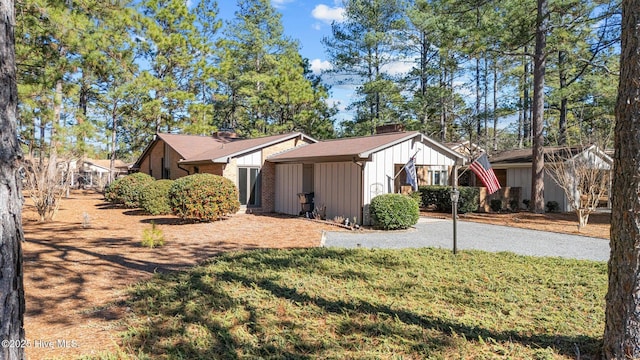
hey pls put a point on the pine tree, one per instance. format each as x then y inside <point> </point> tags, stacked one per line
<point>622,315</point>
<point>360,49</point>
<point>11,236</point>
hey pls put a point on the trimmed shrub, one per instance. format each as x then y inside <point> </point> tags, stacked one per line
<point>495,205</point>
<point>204,197</point>
<point>127,190</point>
<point>440,197</point>
<point>513,205</point>
<point>154,198</point>
<point>417,196</point>
<point>111,191</point>
<point>394,211</point>
<point>553,206</point>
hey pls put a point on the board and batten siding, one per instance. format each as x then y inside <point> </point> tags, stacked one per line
<point>252,159</point>
<point>288,183</point>
<point>338,187</point>
<point>379,173</point>
<point>521,177</point>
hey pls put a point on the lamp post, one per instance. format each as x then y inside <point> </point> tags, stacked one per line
<point>455,196</point>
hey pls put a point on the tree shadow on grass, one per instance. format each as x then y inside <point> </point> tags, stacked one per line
<point>210,322</point>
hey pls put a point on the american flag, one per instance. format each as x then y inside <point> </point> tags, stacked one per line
<point>483,170</point>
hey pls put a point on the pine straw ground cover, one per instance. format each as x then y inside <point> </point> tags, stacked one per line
<point>77,269</point>
<point>369,304</point>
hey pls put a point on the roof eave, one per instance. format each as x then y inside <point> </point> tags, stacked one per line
<point>270,143</point>
<point>458,158</point>
<point>319,159</point>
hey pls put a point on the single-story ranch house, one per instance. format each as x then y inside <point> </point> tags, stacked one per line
<point>513,169</point>
<point>170,156</point>
<point>343,175</point>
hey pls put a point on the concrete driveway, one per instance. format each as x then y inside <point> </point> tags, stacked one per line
<point>438,233</point>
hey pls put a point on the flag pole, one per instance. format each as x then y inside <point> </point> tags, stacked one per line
<point>455,196</point>
<point>405,165</point>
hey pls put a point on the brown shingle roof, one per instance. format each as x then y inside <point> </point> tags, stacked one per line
<point>348,148</point>
<point>343,147</point>
<point>189,145</point>
<point>526,155</point>
<point>221,150</point>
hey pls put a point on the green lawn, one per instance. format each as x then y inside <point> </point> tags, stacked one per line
<point>371,304</point>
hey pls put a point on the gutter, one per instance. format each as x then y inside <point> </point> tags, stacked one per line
<point>183,169</point>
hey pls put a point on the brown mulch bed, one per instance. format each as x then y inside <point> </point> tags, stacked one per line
<point>75,274</point>
<point>567,223</point>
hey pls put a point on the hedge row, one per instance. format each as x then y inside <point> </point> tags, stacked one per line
<point>203,197</point>
<point>440,198</point>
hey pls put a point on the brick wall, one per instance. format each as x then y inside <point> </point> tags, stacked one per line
<point>152,163</point>
<point>268,172</point>
<point>171,159</point>
<point>230,171</point>
<point>215,169</point>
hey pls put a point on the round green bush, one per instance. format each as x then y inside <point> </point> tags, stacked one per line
<point>495,205</point>
<point>154,198</point>
<point>394,211</point>
<point>111,191</point>
<point>127,190</point>
<point>203,197</point>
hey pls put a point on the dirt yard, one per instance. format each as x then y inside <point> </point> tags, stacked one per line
<point>567,223</point>
<point>78,267</point>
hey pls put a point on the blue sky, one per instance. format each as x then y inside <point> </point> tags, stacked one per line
<point>308,22</point>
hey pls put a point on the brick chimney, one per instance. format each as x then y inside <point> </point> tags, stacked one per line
<point>389,128</point>
<point>225,135</point>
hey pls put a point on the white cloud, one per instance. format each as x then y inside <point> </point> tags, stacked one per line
<point>278,4</point>
<point>328,14</point>
<point>398,67</point>
<point>318,66</point>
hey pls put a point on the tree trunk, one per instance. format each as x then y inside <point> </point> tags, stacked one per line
<point>526,108</point>
<point>622,315</point>
<point>539,65</point>
<point>562,120</point>
<point>114,143</point>
<point>495,105</point>
<point>443,107</point>
<point>478,102</point>
<point>11,236</point>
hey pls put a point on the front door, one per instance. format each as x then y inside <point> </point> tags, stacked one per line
<point>249,186</point>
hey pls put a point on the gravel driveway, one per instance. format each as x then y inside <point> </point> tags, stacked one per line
<point>430,232</point>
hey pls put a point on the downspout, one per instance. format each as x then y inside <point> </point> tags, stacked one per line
<point>361,165</point>
<point>183,169</point>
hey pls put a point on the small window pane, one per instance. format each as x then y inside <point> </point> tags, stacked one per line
<point>242,185</point>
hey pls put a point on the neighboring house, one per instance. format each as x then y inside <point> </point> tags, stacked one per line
<point>513,169</point>
<point>466,148</point>
<point>170,156</point>
<point>91,173</point>
<point>469,151</point>
<point>345,174</point>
